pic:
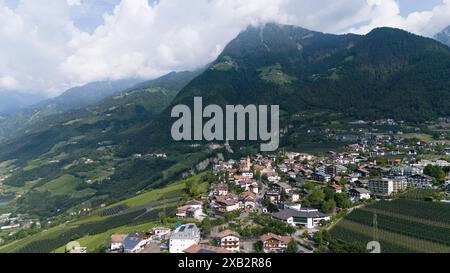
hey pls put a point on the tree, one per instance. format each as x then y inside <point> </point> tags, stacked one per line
<point>329,194</point>
<point>342,201</point>
<point>259,247</point>
<point>306,235</point>
<point>436,172</point>
<point>318,238</point>
<point>317,197</point>
<point>206,226</point>
<point>328,206</point>
<point>292,247</point>
<point>258,175</point>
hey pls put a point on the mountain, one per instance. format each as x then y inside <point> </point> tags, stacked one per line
<point>91,93</point>
<point>74,98</point>
<point>12,101</point>
<point>74,159</point>
<point>388,73</point>
<point>106,151</point>
<point>444,36</point>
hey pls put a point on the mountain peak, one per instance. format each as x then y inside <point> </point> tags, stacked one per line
<point>444,36</point>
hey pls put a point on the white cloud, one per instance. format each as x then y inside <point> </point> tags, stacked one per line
<point>73,2</point>
<point>8,82</point>
<point>43,49</point>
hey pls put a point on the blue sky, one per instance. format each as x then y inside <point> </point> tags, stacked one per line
<point>408,6</point>
<point>51,45</point>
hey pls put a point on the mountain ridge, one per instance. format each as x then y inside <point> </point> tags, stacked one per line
<point>444,36</point>
<point>387,73</point>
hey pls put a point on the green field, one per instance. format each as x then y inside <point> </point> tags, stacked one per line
<point>403,226</point>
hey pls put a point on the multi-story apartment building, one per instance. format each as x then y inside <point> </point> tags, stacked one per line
<point>184,237</point>
<point>387,186</point>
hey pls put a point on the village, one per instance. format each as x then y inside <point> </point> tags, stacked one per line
<point>287,202</point>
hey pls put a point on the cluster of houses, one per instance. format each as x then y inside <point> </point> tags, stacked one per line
<point>248,184</point>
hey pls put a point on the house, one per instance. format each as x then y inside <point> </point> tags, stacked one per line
<point>220,189</point>
<point>276,187</point>
<point>334,170</point>
<point>362,172</point>
<point>273,196</point>
<point>135,242</point>
<point>322,177</point>
<point>285,186</point>
<point>362,183</point>
<point>206,249</point>
<point>405,171</point>
<point>358,194</point>
<point>78,250</point>
<point>248,200</point>
<point>294,197</point>
<point>226,203</point>
<point>336,188</point>
<point>184,237</point>
<point>161,233</point>
<point>420,181</point>
<point>273,243</point>
<point>192,209</point>
<point>296,216</point>
<point>116,243</point>
<point>229,240</point>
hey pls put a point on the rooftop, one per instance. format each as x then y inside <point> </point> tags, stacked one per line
<point>202,248</point>
<point>189,231</point>
<point>288,213</point>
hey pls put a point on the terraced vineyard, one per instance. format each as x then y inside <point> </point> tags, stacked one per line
<point>403,226</point>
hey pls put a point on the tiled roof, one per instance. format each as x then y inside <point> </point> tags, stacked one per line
<point>268,236</point>
<point>227,233</point>
<point>202,248</point>
<point>288,213</point>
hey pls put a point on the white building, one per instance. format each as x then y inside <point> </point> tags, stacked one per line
<point>387,186</point>
<point>296,216</point>
<point>358,194</point>
<point>420,181</point>
<point>192,209</point>
<point>229,240</point>
<point>183,238</point>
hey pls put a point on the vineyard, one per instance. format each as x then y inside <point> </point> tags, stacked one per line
<point>402,226</point>
<point>113,211</point>
<point>419,194</point>
<point>48,245</point>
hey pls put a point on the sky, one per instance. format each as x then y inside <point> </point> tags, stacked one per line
<point>48,46</point>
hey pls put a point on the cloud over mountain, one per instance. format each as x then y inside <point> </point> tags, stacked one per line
<point>45,49</point>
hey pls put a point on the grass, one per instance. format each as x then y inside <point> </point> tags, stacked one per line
<point>421,137</point>
<point>64,185</point>
<point>226,65</point>
<point>274,74</point>
<point>153,195</point>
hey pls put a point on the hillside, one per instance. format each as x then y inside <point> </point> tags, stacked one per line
<point>34,111</point>
<point>74,159</point>
<point>388,73</point>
